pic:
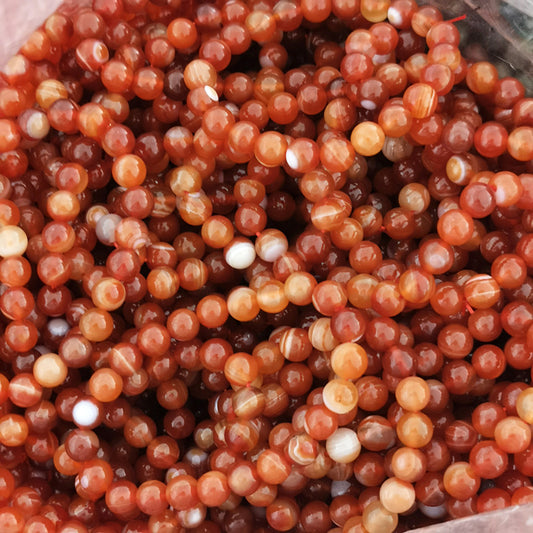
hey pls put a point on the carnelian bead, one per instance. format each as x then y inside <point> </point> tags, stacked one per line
<point>455,341</point>
<point>377,518</point>
<point>349,360</point>
<point>12,519</point>
<point>329,297</point>
<point>120,498</point>
<point>116,76</point>
<point>14,241</point>
<point>282,108</point>
<point>412,393</point>
<point>240,369</point>
<point>242,304</point>
<point>395,120</point>
<point>420,99</point>
<point>396,495</point>
<point>414,429</point>
<point>340,114</point>
<point>13,430</point>
<point>15,271</point>
<point>49,370</point>
<point>182,33</point>
<point>455,227</point>
<point>481,291</point>
<point>270,148</point>
<point>181,492</point>
<point>153,339</point>
<point>487,460</point>
<point>409,464</point>
<point>212,311</point>
<point>105,385</point>
<point>139,431</point>
<point>271,297</point>
<point>240,142</point>
<point>365,257</point>
<point>302,155</point>
<point>129,170</point>
<point>519,143</point>
<point>367,138</point>
<point>299,288</point>
<point>492,500</point>
<point>337,155</point>
<point>93,479</point>
<point>282,514</point>
<point>199,73</point>
<point>250,219</point>
<point>21,335</point>
<point>340,396</point>
<point>108,294</point>
<point>512,434</point>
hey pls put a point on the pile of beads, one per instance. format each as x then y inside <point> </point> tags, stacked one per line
<point>265,266</point>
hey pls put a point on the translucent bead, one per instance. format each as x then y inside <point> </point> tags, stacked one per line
<point>412,393</point>
<point>377,518</point>
<point>302,155</point>
<point>367,138</point>
<point>49,370</point>
<point>240,253</point>
<point>340,396</point>
<point>420,99</point>
<point>13,241</point>
<point>343,446</point>
<point>242,304</point>
<point>519,143</point>
<point>199,73</point>
<point>396,496</point>
<point>414,429</point>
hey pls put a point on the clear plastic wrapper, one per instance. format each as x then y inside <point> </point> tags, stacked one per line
<point>498,31</point>
<point>512,519</point>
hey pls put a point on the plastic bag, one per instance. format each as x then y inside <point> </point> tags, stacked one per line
<point>493,30</point>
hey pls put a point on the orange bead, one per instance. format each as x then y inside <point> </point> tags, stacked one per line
<point>367,138</point>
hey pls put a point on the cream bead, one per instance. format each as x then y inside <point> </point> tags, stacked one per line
<point>13,241</point>
<point>240,253</point>
<point>397,496</point>
<point>343,445</point>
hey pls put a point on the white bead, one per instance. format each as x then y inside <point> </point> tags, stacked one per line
<point>368,104</point>
<point>85,413</point>
<point>105,228</point>
<point>343,446</point>
<point>291,159</point>
<point>394,16</point>
<point>58,327</point>
<point>240,255</point>
<point>38,125</point>
<point>339,488</point>
<point>13,241</point>
<point>437,511</point>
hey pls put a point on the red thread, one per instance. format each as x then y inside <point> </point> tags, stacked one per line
<point>469,308</point>
<point>258,234</point>
<point>457,19</point>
